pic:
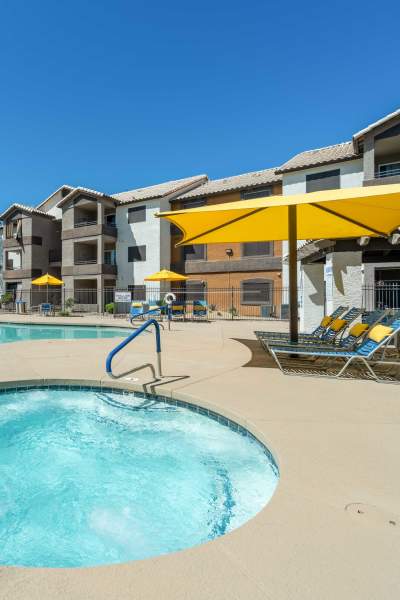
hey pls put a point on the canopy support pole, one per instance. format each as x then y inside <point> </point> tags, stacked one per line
<point>293,301</point>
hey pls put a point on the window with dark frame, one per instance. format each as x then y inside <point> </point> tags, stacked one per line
<point>260,193</point>
<point>257,249</point>
<point>136,214</point>
<point>136,253</point>
<point>257,291</point>
<point>327,180</point>
<point>194,252</point>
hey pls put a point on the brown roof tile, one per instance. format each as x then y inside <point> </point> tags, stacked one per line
<point>320,156</point>
<point>237,182</point>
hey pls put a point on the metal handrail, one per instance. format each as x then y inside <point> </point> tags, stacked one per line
<point>129,339</point>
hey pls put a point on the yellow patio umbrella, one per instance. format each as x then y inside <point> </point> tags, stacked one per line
<point>372,211</point>
<point>165,275</point>
<point>47,280</point>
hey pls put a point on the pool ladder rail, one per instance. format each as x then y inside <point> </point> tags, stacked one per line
<point>130,338</point>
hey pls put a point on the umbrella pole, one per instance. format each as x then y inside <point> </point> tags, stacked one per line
<point>293,300</point>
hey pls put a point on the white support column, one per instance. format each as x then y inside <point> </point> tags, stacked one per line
<point>343,274</point>
<point>313,296</point>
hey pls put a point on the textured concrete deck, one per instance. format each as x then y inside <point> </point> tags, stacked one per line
<point>337,444</point>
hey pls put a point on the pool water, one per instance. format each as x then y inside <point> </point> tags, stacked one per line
<point>90,477</point>
<point>12,332</point>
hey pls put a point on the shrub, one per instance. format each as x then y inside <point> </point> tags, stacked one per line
<point>110,308</point>
<point>63,313</point>
<point>6,298</point>
<point>69,303</point>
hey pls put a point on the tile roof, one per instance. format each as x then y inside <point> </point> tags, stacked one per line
<point>83,190</point>
<point>359,134</point>
<point>62,187</point>
<point>160,190</point>
<point>24,208</point>
<point>237,182</point>
<point>320,156</point>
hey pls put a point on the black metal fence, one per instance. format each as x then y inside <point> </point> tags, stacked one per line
<point>221,303</point>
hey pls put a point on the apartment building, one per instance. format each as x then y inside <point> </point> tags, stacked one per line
<point>241,277</point>
<point>351,271</point>
<point>95,242</point>
<point>144,242</point>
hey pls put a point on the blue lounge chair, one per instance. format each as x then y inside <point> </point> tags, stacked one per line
<point>178,310</point>
<point>334,331</point>
<point>139,310</point>
<point>317,333</point>
<point>200,308</point>
<point>365,353</point>
<point>46,309</point>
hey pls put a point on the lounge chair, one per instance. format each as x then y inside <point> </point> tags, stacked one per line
<point>334,331</point>
<point>334,336</point>
<point>377,339</point>
<point>200,308</point>
<point>139,310</point>
<point>178,310</point>
<point>317,333</point>
<point>46,309</point>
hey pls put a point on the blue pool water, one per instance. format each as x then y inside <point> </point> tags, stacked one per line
<point>12,332</point>
<point>90,477</point>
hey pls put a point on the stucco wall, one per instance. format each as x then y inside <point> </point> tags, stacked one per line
<point>351,175</point>
<point>152,233</point>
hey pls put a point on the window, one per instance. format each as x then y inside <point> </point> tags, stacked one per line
<point>194,203</point>
<point>13,260</point>
<point>110,220</point>
<point>194,252</point>
<point>136,253</point>
<point>257,291</point>
<point>257,249</point>
<point>195,290</point>
<point>14,229</point>
<point>256,193</point>
<point>388,169</point>
<point>327,180</point>
<point>136,214</point>
<point>138,292</point>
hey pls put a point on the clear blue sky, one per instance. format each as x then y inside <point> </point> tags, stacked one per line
<point>117,94</point>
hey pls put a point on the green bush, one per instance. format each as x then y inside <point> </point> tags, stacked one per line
<point>7,298</point>
<point>69,303</point>
<point>63,313</point>
<point>110,308</point>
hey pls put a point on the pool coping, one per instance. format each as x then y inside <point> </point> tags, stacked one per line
<point>227,418</point>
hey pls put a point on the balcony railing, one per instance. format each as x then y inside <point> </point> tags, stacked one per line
<point>389,173</point>
<point>54,256</point>
<point>85,261</point>
<point>84,223</point>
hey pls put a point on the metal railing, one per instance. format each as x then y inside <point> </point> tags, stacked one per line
<point>130,338</point>
<point>386,295</point>
<point>389,173</point>
<point>85,261</point>
<point>84,223</point>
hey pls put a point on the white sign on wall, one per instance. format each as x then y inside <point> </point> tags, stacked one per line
<point>122,296</point>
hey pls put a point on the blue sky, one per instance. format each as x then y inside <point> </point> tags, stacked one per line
<point>123,94</point>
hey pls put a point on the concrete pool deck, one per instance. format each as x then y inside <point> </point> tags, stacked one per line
<point>332,528</point>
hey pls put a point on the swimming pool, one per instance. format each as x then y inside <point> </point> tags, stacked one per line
<point>15,332</point>
<point>94,476</point>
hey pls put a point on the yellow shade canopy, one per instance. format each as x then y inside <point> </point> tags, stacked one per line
<point>165,275</point>
<point>344,213</point>
<point>47,280</point>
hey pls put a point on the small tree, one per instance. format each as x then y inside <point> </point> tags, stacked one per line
<point>69,303</point>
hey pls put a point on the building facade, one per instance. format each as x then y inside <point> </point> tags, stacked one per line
<point>244,278</point>
<point>363,272</point>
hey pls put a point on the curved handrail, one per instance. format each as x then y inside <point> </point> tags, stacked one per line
<point>131,337</point>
